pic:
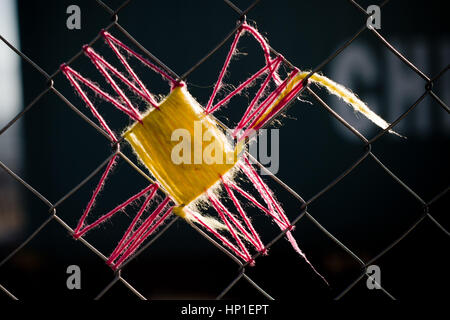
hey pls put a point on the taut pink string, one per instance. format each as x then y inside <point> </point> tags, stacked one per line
<point>255,100</point>
<point>150,231</point>
<point>264,190</point>
<point>111,162</point>
<point>131,240</point>
<point>132,225</point>
<point>263,44</point>
<point>272,203</point>
<point>140,230</point>
<point>280,105</point>
<point>102,65</point>
<point>264,106</point>
<point>223,212</point>
<point>255,115</point>
<point>254,238</point>
<point>68,72</point>
<point>145,92</point>
<point>224,69</point>
<point>218,235</point>
<point>243,85</point>
<point>257,204</point>
<point>98,62</point>
<point>107,216</point>
<point>108,36</point>
<point>269,64</point>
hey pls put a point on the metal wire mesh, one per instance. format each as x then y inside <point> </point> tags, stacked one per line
<point>366,153</point>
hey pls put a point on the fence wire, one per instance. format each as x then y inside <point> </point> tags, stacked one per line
<point>366,153</point>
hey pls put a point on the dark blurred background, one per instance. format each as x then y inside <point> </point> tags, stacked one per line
<point>53,149</point>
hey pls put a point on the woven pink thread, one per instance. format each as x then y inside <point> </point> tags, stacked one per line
<point>266,50</point>
<point>131,240</point>
<point>100,185</point>
<point>80,230</point>
<point>280,105</point>
<point>263,44</point>
<point>224,213</point>
<point>68,72</point>
<point>222,72</point>
<point>142,233</point>
<point>257,97</point>
<point>267,196</point>
<point>255,114</point>
<point>257,204</point>
<point>146,94</point>
<point>254,238</point>
<point>243,85</point>
<point>130,109</point>
<point>217,235</point>
<point>264,105</point>
<point>108,36</point>
<point>140,230</point>
<point>136,218</point>
<point>102,65</point>
<point>257,123</point>
<point>264,190</point>
<point>134,247</point>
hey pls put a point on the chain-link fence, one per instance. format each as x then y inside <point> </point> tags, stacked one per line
<point>365,154</point>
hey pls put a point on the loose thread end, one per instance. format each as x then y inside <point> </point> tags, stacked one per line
<point>397,134</point>
<point>294,244</point>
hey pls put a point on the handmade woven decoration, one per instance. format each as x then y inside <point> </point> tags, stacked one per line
<point>189,187</point>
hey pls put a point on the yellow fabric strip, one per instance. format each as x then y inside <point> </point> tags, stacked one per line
<point>333,88</point>
<point>207,157</point>
<point>346,95</point>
